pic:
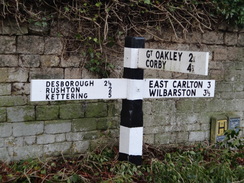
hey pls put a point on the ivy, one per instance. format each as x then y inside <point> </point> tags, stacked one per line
<point>99,25</point>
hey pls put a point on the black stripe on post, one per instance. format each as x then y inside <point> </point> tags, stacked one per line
<point>131,125</point>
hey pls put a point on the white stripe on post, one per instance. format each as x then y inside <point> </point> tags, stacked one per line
<point>131,143</point>
<point>131,125</point>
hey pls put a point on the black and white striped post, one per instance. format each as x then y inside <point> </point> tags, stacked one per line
<point>131,125</point>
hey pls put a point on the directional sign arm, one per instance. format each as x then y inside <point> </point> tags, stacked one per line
<point>174,60</point>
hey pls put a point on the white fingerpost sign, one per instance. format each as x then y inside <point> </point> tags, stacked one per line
<point>77,89</point>
<point>172,60</point>
<point>170,88</point>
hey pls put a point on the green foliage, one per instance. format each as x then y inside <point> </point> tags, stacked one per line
<point>231,10</point>
<point>99,25</point>
<point>161,165</point>
<point>232,139</point>
<point>97,64</point>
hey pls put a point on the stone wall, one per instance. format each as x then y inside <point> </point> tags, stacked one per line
<point>31,129</point>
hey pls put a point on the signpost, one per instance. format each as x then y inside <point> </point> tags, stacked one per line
<point>132,88</point>
<point>87,89</point>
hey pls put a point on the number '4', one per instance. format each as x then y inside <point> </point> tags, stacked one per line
<point>190,68</point>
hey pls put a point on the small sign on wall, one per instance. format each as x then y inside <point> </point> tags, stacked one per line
<point>219,125</point>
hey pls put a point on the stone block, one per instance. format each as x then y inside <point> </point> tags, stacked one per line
<point>21,113</point>
<point>5,129</point>
<point>8,60</point>
<point>10,27</point>
<point>75,136</point>
<point>47,112</point>
<point>45,139</point>
<point>194,37</point>
<point>80,146</point>
<point>12,100</point>
<point>184,105</point>
<point>5,89</point>
<point>217,75</point>
<point>96,110</point>
<point>7,44</point>
<point>220,54</point>
<point>49,60</point>
<point>84,124</point>
<point>162,119</point>
<point>71,111</point>
<point>230,39</point>
<point>181,137</point>
<point>224,87</point>
<point>3,114</point>
<point>30,140</point>
<point>216,105</point>
<point>46,73</point>
<point>17,75</point>
<point>71,61</point>
<point>235,53</point>
<point>92,135</point>
<point>29,60</point>
<point>193,127</point>
<point>57,126</point>
<point>28,129</point>
<point>53,45</point>
<point>240,39</point>
<point>60,137</point>
<point>4,155</point>
<point>26,152</point>
<point>30,44</point>
<point>72,73</point>
<point>159,106</point>
<point>57,148</point>
<point>148,139</point>
<point>211,37</point>
<point>199,105</point>
<point>20,88</point>
<point>239,95</point>
<point>103,124</point>
<point>64,28</point>
<point>165,138</point>
<point>3,74</point>
<point>196,136</point>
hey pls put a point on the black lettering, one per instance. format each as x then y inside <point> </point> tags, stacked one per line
<point>47,97</point>
<point>157,54</point>
<point>47,90</point>
<point>174,92</point>
<point>164,63</point>
<point>147,63</point>
<point>48,83</point>
<point>175,56</point>
<point>148,53</point>
<point>166,55</point>
<point>165,92</point>
<point>152,92</point>
<point>180,54</point>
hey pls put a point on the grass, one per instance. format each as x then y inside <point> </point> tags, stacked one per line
<point>160,164</point>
